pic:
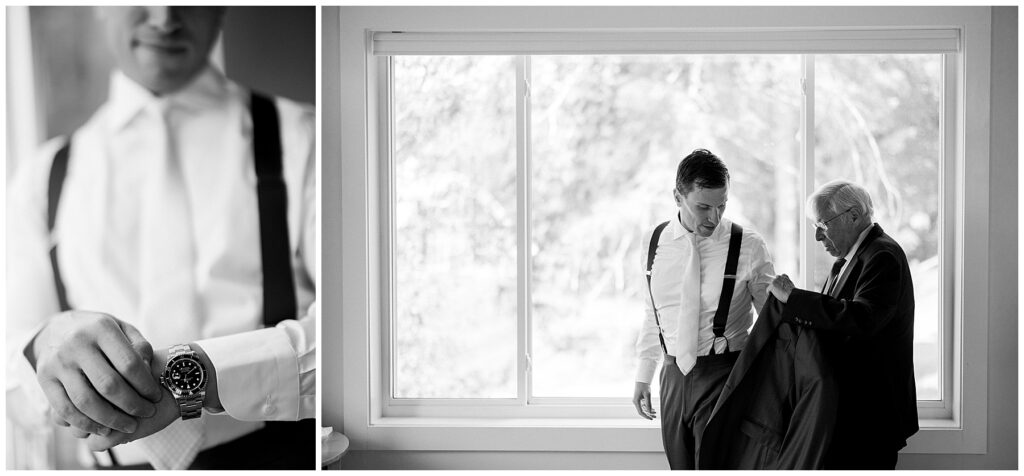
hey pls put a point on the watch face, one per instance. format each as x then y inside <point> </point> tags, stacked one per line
<point>186,374</point>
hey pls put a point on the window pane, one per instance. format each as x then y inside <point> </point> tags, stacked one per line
<point>607,135</point>
<point>877,123</point>
<point>455,227</point>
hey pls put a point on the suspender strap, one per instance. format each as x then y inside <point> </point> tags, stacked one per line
<point>651,250</point>
<point>58,170</point>
<point>279,301</point>
<point>728,284</point>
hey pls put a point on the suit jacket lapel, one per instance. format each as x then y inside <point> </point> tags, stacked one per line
<point>853,266</point>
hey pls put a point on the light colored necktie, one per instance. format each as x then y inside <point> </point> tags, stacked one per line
<point>168,307</point>
<point>689,308</point>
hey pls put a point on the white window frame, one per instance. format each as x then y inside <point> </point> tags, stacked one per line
<point>374,422</point>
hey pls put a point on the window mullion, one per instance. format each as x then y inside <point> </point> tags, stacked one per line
<point>385,85</point>
<point>806,169</point>
<point>950,376</point>
<point>523,346</point>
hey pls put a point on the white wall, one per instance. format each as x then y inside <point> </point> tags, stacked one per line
<point>331,379</point>
<point>1002,331</point>
<point>1002,258</point>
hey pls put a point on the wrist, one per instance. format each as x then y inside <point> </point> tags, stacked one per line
<point>212,400</point>
<point>157,366</point>
<point>35,345</point>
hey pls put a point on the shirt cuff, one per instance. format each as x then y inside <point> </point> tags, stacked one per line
<point>645,371</point>
<point>257,374</point>
<point>23,390</point>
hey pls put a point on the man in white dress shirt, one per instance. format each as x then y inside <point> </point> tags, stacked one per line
<point>166,244</point>
<point>685,285</point>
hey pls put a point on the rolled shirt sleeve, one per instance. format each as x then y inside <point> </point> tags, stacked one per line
<point>648,346</point>
<point>267,374</point>
<point>762,272</point>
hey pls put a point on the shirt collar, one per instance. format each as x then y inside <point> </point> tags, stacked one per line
<point>856,244</point>
<point>678,231</point>
<point>128,98</point>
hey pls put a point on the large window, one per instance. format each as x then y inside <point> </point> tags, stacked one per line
<point>520,187</point>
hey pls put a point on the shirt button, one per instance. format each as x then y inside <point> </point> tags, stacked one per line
<point>268,409</point>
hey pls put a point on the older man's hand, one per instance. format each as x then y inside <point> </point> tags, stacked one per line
<point>780,287</point>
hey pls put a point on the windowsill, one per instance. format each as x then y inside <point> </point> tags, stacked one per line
<point>565,423</point>
<point>435,422</point>
<point>577,434</point>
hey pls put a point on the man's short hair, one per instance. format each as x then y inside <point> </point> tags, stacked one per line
<point>836,197</point>
<point>701,169</point>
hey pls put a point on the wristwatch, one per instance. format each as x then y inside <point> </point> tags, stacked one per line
<point>185,376</point>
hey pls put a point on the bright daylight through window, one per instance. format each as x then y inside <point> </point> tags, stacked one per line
<point>604,136</point>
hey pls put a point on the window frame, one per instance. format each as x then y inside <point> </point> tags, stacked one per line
<point>956,426</point>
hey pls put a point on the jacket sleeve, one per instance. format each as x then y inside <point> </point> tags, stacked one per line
<point>813,419</point>
<point>873,305</point>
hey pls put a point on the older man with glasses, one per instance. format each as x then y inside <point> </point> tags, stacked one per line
<point>865,315</point>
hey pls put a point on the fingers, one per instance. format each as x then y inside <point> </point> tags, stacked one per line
<point>108,383</point>
<point>103,443</point>
<point>65,410</point>
<point>79,433</point>
<point>639,408</point>
<point>130,354</point>
<point>648,406</point>
<point>95,407</point>
<point>137,341</point>
<point>642,403</point>
<point>57,420</point>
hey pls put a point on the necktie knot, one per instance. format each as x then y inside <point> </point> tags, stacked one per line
<point>838,265</point>
<point>834,276</point>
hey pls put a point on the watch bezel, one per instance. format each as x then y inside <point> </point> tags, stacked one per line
<point>173,386</point>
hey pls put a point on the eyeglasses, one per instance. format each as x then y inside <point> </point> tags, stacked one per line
<point>823,225</point>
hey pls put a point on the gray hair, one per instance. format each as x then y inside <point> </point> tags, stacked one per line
<point>836,197</point>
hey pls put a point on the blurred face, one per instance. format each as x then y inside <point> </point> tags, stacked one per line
<point>837,233</point>
<point>701,210</point>
<point>161,48</point>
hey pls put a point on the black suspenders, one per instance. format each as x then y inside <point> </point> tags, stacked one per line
<point>58,171</point>
<point>651,250</point>
<point>278,285</point>
<point>279,301</point>
<point>728,283</point>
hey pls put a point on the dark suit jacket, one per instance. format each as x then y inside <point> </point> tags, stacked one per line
<point>868,332</point>
<point>777,409</point>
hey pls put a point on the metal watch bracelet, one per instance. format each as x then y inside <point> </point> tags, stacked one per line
<point>190,406</point>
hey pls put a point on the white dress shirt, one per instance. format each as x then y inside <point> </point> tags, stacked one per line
<point>262,374</point>
<point>754,272</point>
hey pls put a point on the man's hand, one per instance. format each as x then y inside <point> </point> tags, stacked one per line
<point>642,400</point>
<point>95,372</point>
<point>167,412</point>
<point>781,286</point>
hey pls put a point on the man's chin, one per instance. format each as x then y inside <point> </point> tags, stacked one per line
<point>161,79</point>
<point>705,231</point>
